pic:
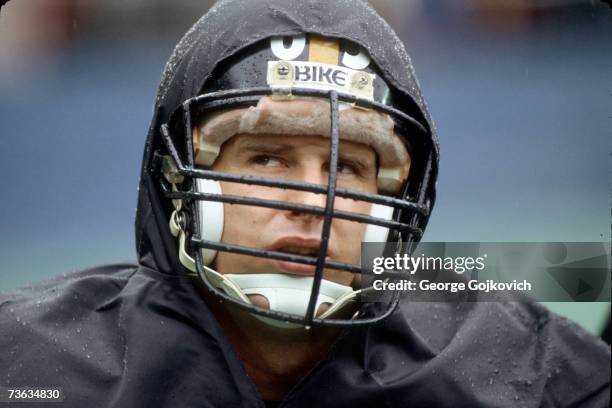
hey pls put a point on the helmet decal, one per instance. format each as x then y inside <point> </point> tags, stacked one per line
<point>360,60</point>
<point>323,69</point>
<point>294,49</point>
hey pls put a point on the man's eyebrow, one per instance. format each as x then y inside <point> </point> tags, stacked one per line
<point>357,159</point>
<point>264,146</point>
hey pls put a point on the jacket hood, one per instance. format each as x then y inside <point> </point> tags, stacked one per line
<point>229,27</point>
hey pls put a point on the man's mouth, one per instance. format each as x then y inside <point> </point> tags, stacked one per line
<point>297,246</point>
<point>298,250</point>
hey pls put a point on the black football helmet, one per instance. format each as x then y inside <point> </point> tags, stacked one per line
<point>299,66</point>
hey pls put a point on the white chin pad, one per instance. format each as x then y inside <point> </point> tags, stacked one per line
<point>211,217</point>
<point>288,293</point>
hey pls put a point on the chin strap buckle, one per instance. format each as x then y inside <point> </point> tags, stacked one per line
<point>177,225</point>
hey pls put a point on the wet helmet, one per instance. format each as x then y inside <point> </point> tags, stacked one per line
<point>245,94</point>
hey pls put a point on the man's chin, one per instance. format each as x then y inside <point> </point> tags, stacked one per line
<point>259,301</point>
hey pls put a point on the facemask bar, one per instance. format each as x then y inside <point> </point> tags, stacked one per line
<point>413,230</point>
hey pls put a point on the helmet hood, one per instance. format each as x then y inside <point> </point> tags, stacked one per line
<point>228,28</point>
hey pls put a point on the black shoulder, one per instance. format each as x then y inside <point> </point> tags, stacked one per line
<point>506,351</point>
<point>578,365</point>
<point>106,279</point>
<point>48,326</point>
<point>59,298</point>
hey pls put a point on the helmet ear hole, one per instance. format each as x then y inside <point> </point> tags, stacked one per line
<point>210,217</point>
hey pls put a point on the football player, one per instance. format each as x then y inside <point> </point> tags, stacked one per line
<point>285,134</point>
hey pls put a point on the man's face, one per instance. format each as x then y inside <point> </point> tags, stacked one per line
<point>296,158</point>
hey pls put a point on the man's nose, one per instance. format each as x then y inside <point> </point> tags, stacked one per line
<point>313,176</point>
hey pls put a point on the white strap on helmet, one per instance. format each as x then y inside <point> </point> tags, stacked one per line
<point>211,217</point>
<point>376,233</point>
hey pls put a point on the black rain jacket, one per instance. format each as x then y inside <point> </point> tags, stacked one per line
<point>139,335</point>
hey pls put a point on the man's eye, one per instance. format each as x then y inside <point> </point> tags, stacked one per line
<point>345,168</point>
<point>265,160</point>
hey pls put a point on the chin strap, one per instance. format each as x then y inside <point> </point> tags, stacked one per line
<point>291,294</point>
<point>284,293</point>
